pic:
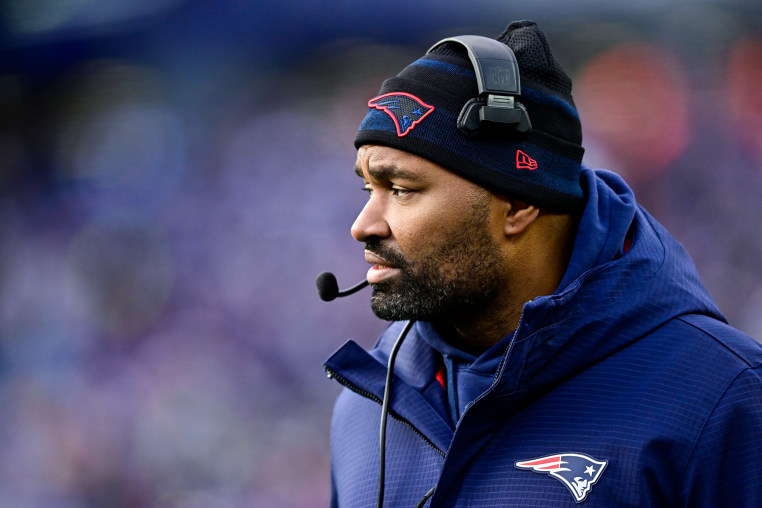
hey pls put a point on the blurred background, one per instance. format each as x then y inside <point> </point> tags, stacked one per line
<point>175,173</point>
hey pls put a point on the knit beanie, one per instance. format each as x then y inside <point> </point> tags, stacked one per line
<point>541,167</point>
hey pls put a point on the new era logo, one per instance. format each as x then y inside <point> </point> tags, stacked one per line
<point>523,161</point>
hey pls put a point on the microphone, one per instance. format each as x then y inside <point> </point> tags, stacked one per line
<point>328,288</point>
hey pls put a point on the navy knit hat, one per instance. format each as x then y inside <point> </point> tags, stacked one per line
<point>542,168</point>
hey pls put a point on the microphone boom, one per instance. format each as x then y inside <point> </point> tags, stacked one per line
<point>328,288</point>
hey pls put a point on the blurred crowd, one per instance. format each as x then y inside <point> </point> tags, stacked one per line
<point>164,213</point>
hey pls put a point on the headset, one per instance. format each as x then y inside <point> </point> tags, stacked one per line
<point>496,111</point>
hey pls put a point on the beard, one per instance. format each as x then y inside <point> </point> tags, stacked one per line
<point>458,279</point>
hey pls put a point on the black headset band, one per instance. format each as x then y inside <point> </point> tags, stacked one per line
<point>497,71</point>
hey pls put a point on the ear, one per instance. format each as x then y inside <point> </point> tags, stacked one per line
<point>519,216</point>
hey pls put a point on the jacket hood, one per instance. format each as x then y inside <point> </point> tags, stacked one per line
<point>610,296</point>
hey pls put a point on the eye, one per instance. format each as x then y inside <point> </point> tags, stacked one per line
<point>393,190</point>
<point>400,191</point>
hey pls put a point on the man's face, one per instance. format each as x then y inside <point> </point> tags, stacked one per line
<point>430,235</point>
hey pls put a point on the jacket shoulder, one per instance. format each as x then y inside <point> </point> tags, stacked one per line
<point>734,343</point>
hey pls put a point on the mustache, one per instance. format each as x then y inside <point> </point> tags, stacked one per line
<point>385,252</point>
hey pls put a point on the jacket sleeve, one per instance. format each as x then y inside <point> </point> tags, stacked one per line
<point>725,468</point>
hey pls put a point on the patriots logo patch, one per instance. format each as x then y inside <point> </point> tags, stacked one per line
<point>405,109</point>
<point>576,471</point>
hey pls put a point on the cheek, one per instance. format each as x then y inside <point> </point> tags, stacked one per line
<point>426,233</point>
<point>413,236</point>
<point>434,222</point>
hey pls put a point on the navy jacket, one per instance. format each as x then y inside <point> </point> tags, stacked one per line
<point>624,388</point>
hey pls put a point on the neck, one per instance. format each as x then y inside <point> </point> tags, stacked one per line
<point>479,333</point>
<point>535,265</point>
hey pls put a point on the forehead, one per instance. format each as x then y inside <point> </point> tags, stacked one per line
<point>381,161</point>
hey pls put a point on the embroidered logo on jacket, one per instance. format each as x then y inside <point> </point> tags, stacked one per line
<point>405,109</point>
<point>576,471</point>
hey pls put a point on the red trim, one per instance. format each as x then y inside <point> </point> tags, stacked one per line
<point>628,241</point>
<point>441,376</point>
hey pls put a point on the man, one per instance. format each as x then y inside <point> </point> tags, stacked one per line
<point>562,348</point>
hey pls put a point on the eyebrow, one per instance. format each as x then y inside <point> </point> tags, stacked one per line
<point>389,172</point>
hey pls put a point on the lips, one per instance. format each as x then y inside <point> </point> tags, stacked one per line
<point>381,268</point>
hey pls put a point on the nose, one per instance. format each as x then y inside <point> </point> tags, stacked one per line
<point>371,222</point>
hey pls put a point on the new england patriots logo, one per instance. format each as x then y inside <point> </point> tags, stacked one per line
<point>576,471</point>
<point>405,109</point>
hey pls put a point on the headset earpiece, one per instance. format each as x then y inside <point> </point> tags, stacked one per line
<point>496,111</point>
<point>478,118</point>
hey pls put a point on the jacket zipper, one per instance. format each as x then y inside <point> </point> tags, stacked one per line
<point>504,358</point>
<point>343,381</point>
